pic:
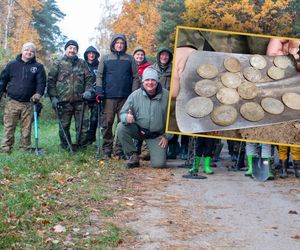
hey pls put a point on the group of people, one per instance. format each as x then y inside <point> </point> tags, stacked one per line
<point>127,87</point>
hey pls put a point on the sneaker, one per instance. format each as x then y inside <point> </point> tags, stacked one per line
<point>134,160</point>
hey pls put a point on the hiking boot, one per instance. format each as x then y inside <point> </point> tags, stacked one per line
<point>134,160</point>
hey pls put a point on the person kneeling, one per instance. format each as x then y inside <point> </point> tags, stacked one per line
<point>143,116</point>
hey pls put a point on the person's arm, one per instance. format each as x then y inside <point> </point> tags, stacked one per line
<point>99,79</point>
<point>127,111</point>
<point>4,79</point>
<point>52,79</point>
<point>181,57</point>
<point>41,80</point>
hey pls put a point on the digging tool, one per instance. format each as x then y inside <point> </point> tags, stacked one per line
<point>194,174</point>
<point>260,168</point>
<point>63,130</point>
<point>99,110</point>
<point>36,150</point>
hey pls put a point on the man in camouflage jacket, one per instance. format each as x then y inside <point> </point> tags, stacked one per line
<point>68,78</point>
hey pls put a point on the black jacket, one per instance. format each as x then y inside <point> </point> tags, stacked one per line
<point>21,80</point>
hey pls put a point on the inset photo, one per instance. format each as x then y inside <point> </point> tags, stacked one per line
<point>235,85</point>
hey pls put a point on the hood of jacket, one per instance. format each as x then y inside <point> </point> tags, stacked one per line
<point>112,44</point>
<point>91,49</point>
<point>160,50</point>
<point>19,58</point>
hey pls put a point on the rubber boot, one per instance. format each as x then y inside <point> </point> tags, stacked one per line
<point>283,168</point>
<point>271,176</point>
<point>195,168</point>
<point>207,168</point>
<point>297,168</point>
<point>249,160</point>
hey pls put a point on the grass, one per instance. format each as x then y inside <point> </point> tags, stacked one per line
<point>38,193</point>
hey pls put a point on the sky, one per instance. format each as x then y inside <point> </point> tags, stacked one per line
<point>82,17</point>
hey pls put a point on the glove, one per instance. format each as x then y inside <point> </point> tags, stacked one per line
<point>36,98</point>
<point>99,93</point>
<point>54,102</point>
<point>89,95</point>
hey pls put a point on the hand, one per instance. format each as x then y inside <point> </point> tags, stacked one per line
<point>163,142</point>
<point>36,98</point>
<point>54,102</point>
<point>279,47</point>
<point>130,117</point>
<point>182,55</point>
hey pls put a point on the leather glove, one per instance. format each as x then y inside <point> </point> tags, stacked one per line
<point>54,102</point>
<point>99,93</point>
<point>36,98</point>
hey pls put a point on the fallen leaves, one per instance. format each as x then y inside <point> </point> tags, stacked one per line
<point>59,228</point>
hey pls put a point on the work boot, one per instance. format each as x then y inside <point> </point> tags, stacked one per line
<point>206,164</point>
<point>249,160</point>
<point>297,168</point>
<point>184,152</point>
<point>283,168</point>
<point>195,167</point>
<point>134,160</point>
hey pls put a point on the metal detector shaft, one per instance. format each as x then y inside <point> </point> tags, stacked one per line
<point>64,132</point>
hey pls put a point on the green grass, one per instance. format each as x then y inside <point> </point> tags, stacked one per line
<point>39,192</point>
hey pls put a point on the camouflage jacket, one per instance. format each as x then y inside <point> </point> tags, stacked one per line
<point>68,78</point>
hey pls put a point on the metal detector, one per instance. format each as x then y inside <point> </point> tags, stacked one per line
<point>36,150</point>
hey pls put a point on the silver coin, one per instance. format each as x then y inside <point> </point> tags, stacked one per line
<point>292,100</point>
<point>272,105</point>
<point>224,115</point>
<point>199,107</point>
<point>275,73</point>
<point>258,62</point>
<point>207,71</point>
<point>252,111</point>
<point>252,74</point>
<point>282,62</point>
<point>206,88</point>
<point>232,64</point>
<point>247,90</point>
<point>231,80</point>
<point>227,96</point>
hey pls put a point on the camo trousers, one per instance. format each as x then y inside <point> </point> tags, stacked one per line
<point>80,112</point>
<point>14,112</point>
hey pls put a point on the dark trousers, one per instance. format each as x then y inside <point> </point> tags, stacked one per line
<point>205,146</point>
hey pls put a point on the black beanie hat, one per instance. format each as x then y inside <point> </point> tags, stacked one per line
<point>71,42</point>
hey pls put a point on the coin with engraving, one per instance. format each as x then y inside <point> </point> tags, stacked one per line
<point>247,90</point>
<point>292,100</point>
<point>252,74</point>
<point>232,64</point>
<point>231,80</point>
<point>282,62</point>
<point>252,111</point>
<point>258,62</point>
<point>275,73</point>
<point>220,84</point>
<point>272,105</point>
<point>206,88</point>
<point>207,71</point>
<point>199,107</point>
<point>224,115</point>
<point>227,96</point>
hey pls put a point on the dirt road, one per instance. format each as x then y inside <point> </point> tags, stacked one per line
<point>225,211</point>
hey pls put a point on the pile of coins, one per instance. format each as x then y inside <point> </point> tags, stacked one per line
<point>233,85</point>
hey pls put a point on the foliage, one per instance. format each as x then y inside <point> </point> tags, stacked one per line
<point>170,12</point>
<point>56,201</point>
<point>138,20</point>
<point>270,17</point>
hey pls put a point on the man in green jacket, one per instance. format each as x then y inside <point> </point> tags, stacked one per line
<point>143,116</point>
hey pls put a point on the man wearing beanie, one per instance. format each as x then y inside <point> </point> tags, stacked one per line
<point>69,77</point>
<point>143,116</point>
<point>23,80</point>
<point>117,77</point>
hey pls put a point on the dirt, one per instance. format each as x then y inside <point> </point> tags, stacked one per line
<point>225,211</point>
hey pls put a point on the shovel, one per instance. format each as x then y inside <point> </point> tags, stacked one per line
<point>260,169</point>
<point>36,150</point>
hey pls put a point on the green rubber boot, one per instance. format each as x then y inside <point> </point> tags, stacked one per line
<point>270,176</point>
<point>249,160</point>
<point>207,168</point>
<point>195,168</point>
